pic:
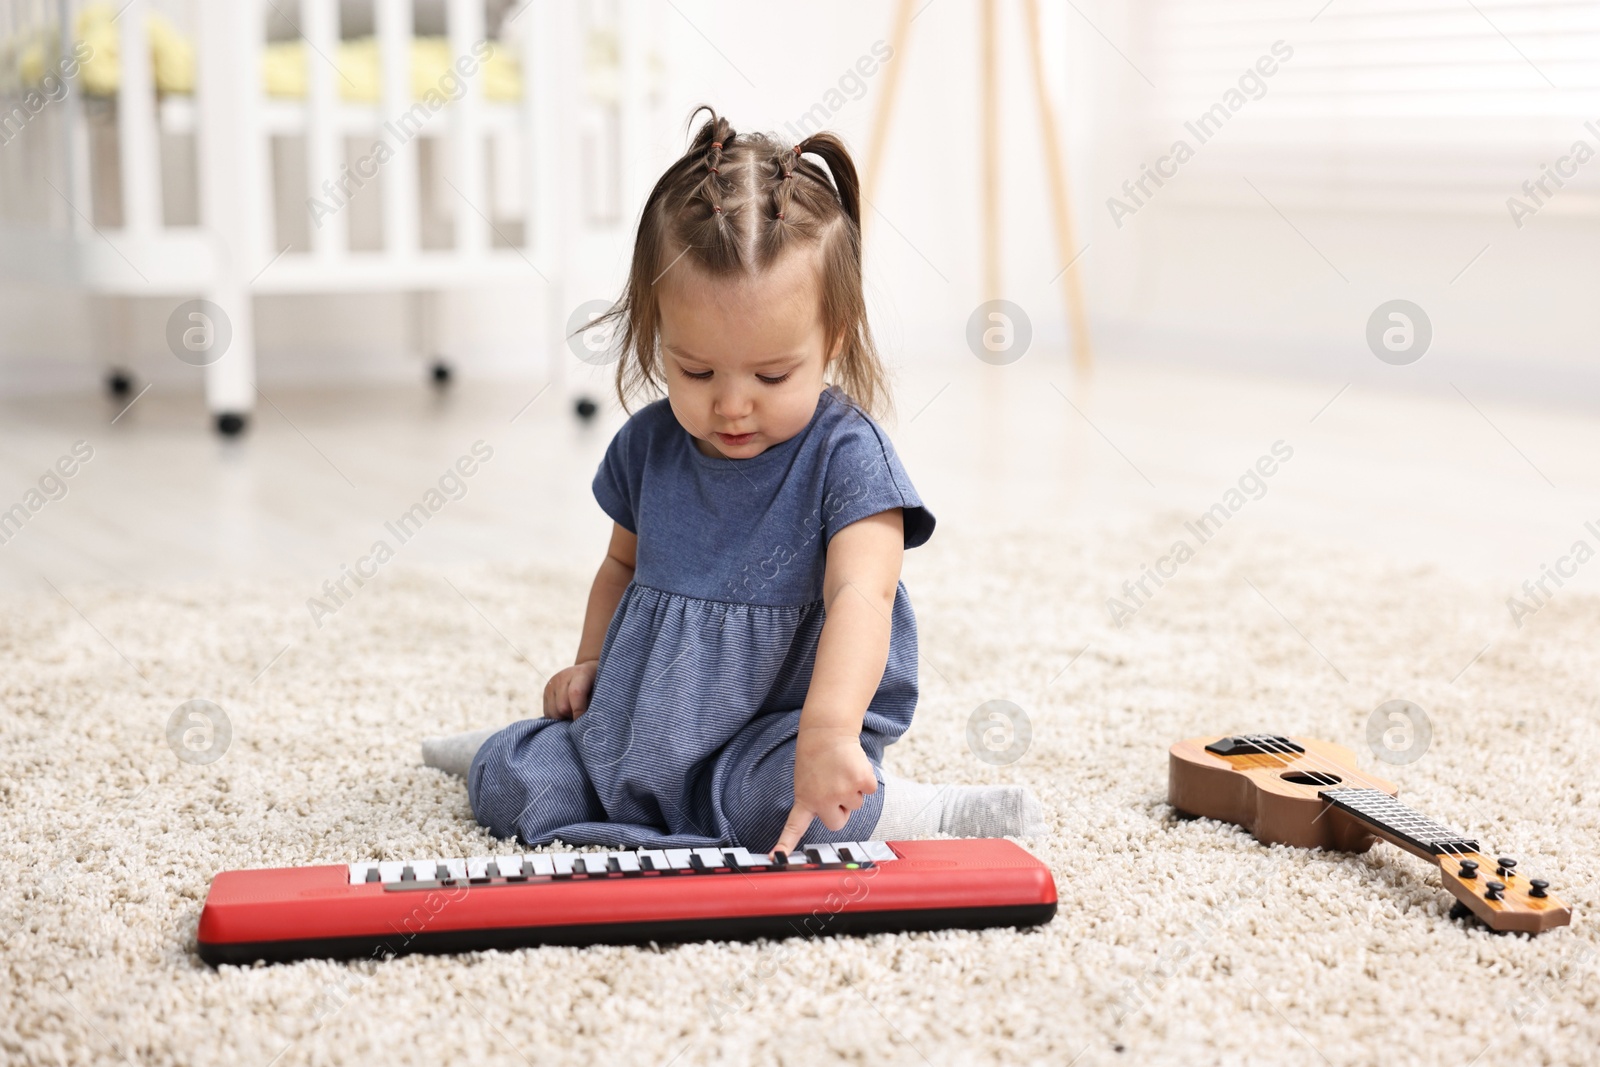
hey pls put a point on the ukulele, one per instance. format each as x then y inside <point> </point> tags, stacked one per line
<point>1310,794</point>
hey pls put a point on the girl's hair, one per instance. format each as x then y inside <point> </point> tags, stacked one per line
<point>734,204</point>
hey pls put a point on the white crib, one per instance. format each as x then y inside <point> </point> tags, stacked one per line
<point>513,223</point>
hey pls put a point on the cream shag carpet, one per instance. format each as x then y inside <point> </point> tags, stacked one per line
<point>1177,941</point>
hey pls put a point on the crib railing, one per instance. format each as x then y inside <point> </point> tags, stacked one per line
<point>234,253</point>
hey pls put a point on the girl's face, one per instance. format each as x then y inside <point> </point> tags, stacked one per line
<point>743,359</point>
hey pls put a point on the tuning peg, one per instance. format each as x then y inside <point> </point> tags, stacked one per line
<point>1539,885</point>
<point>1494,889</point>
<point>1469,869</point>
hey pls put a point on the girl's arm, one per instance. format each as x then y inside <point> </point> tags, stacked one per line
<point>832,775</point>
<point>616,571</point>
<point>566,695</point>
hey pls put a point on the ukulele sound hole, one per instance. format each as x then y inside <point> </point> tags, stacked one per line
<point>1310,778</point>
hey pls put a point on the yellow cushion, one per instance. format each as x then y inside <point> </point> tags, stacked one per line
<point>360,78</point>
<point>171,53</point>
<point>283,65</point>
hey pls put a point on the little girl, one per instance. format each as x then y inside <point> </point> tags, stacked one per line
<point>749,648</point>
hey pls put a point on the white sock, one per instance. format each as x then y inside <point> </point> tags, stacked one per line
<point>915,810</point>
<point>991,811</point>
<point>453,753</point>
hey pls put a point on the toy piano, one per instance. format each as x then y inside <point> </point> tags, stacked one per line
<point>386,908</point>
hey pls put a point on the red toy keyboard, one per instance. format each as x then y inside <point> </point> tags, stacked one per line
<point>582,898</point>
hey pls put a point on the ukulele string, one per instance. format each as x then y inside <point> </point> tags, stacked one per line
<point>1326,766</point>
<point>1318,764</point>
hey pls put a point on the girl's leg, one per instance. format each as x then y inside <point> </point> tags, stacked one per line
<point>527,781</point>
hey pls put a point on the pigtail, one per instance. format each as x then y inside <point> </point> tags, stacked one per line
<point>783,192</point>
<point>711,143</point>
<point>843,169</point>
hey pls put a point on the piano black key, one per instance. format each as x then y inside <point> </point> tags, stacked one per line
<point>527,867</point>
<point>491,869</point>
<point>373,875</point>
<point>407,874</point>
<point>613,864</point>
<point>646,863</point>
<point>697,863</point>
<point>814,856</point>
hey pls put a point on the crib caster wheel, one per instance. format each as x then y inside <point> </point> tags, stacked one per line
<point>441,374</point>
<point>585,408</point>
<point>230,423</point>
<point>119,383</point>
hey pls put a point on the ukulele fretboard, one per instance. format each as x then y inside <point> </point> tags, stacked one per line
<point>1385,812</point>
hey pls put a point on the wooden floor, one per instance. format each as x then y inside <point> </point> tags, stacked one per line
<point>1425,477</point>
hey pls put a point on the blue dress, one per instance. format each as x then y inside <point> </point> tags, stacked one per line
<point>689,736</point>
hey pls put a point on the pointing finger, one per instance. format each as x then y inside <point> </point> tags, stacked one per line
<point>793,828</point>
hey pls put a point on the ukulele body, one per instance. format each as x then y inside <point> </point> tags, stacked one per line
<point>1274,795</point>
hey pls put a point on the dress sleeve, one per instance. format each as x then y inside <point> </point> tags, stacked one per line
<point>865,477</point>
<point>616,483</point>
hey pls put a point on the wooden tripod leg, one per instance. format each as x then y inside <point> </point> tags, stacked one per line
<point>988,153</point>
<point>885,113</point>
<point>1066,240</point>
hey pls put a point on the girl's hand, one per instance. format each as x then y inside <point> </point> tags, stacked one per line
<point>832,778</point>
<point>566,695</point>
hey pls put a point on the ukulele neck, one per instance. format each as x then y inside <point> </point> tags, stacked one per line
<point>1400,825</point>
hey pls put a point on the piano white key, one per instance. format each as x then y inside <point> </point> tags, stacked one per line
<point>826,852</point>
<point>543,865</point>
<point>678,858</point>
<point>390,870</point>
<point>477,866</point>
<point>879,851</point>
<point>563,862</point>
<point>711,857</point>
<point>593,863</point>
<point>358,872</point>
<point>657,858</point>
<point>509,865</point>
<point>455,867</point>
<point>745,858</point>
<point>628,861</point>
